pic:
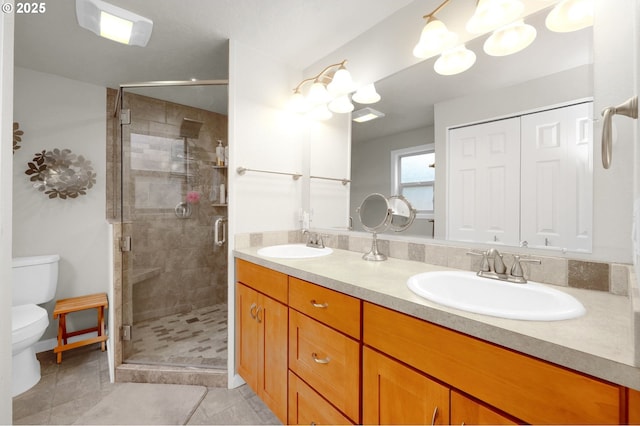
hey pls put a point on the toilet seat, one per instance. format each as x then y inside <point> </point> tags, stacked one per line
<point>27,321</point>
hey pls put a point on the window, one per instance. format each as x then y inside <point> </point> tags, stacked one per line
<point>413,176</point>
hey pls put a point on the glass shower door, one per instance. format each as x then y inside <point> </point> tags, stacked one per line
<point>175,276</point>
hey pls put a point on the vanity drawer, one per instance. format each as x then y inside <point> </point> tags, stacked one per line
<point>266,281</point>
<point>327,360</point>
<point>527,388</point>
<point>307,407</point>
<point>335,309</point>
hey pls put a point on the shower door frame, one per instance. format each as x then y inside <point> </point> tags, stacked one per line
<point>123,236</point>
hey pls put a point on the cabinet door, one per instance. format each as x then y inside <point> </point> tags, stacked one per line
<point>396,394</point>
<point>272,318</point>
<point>557,178</point>
<point>262,347</point>
<point>483,182</point>
<point>467,411</point>
<point>307,407</point>
<point>247,335</point>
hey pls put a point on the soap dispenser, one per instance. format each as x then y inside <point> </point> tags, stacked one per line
<point>220,153</point>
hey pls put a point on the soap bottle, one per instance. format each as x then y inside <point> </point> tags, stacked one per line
<point>220,153</point>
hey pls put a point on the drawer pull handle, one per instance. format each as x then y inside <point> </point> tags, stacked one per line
<point>252,309</point>
<point>320,360</point>
<point>435,414</point>
<point>315,304</point>
<point>258,316</point>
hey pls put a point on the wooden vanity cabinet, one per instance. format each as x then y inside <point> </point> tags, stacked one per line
<point>393,393</point>
<point>261,338</point>
<point>535,391</point>
<point>324,345</point>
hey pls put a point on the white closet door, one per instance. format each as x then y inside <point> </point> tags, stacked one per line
<point>557,178</point>
<point>483,182</point>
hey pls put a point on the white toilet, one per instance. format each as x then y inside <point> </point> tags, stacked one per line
<point>34,281</point>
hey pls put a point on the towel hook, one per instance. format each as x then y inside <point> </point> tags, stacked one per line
<point>628,108</point>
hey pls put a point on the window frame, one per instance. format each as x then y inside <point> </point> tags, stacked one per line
<point>396,185</point>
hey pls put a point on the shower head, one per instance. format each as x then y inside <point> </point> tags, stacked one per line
<point>190,128</point>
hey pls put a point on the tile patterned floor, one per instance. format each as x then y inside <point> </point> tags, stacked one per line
<point>194,339</point>
<point>68,390</point>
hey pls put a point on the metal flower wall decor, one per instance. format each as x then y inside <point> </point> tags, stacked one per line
<point>60,173</point>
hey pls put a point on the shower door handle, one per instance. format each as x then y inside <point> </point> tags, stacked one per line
<point>220,230</point>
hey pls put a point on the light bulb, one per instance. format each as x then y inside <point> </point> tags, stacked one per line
<point>318,94</point>
<point>570,15</point>
<point>341,83</point>
<point>455,61</point>
<point>510,39</point>
<point>366,94</point>
<point>435,37</point>
<point>297,102</point>
<point>341,105</point>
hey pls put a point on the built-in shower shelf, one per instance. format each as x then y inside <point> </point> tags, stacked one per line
<point>219,205</point>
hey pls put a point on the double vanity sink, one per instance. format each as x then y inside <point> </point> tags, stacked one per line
<point>466,291</point>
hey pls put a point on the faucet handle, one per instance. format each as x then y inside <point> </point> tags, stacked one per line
<point>484,265</point>
<point>516,268</point>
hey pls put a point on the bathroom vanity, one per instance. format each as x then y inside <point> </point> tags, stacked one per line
<point>345,341</point>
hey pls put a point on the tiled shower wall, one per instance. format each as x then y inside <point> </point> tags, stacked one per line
<point>610,277</point>
<point>174,265</point>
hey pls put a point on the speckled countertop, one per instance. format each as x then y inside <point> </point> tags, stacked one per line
<point>599,343</point>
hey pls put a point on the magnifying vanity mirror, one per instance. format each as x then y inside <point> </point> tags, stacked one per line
<point>378,213</point>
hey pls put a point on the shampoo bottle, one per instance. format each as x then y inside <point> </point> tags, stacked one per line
<point>220,153</point>
<point>223,197</point>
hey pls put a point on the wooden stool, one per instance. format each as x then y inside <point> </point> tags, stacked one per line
<point>75,304</point>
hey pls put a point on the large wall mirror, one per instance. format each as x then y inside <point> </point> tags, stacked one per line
<point>420,105</point>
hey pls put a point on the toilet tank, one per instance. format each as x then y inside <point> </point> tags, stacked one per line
<point>34,279</point>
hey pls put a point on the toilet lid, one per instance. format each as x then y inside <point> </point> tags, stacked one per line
<point>27,320</point>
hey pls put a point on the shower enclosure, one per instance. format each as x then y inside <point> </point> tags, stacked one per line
<point>173,206</point>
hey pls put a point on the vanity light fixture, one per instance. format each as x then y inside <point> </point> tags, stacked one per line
<point>455,61</point>
<point>113,23</point>
<point>510,39</point>
<point>366,114</point>
<point>330,92</point>
<point>570,15</point>
<point>491,14</point>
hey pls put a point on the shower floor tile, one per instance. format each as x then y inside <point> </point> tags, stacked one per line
<point>193,339</point>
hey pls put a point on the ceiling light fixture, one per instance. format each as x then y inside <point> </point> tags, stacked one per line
<point>366,114</point>
<point>570,15</point>
<point>113,23</point>
<point>510,39</point>
<point>329,92</point>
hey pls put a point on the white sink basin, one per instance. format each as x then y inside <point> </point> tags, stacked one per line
<point>293,251</point>
<point>468,292</point>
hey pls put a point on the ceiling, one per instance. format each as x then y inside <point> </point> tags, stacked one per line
<point>190,37</point>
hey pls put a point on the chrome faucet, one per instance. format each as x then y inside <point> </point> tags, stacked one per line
<point>314,239</point>
<point>492,266</point>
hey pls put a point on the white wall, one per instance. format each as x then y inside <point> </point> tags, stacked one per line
<point>264,136</point>
<point>56,112</point>
<point>6,136</point>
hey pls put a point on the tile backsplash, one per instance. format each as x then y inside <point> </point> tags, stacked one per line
<point>601,276</point>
